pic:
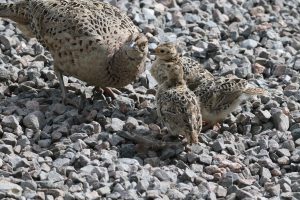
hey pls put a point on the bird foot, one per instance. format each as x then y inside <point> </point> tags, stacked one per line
<point>217,127</point>
<point>208,126</point>
<point>107,92</point>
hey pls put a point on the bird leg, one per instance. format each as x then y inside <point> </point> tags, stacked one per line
<point>208,125</point>
<point>217,126</point>
<point>62,85</point>
<point>65,99</point>
<point>111,92</point>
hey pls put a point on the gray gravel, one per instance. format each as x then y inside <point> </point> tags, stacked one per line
<point>51,151</point>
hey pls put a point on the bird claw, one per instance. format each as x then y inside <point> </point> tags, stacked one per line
<point>208,126</point>
<point>107,92</point>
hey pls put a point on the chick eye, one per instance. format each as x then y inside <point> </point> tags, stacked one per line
<point>162,51</point>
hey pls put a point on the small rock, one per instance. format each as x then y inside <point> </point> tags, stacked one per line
<point>116,125</point>
<point>54,176</point>
<point>205,159</point>
<point>104,190</point>
<point>148,14</point>
<point>188,175</point>
<point>249,44</point>
<point>4,74</point>
<point>93,195</point>
<point>221,191</point>
<point>264,115</point>
<point>175,194</point>
<point>296,134</point>
<point>265,174</point>
<point>284,160</point>
<point>60,162</point>
<point>274,190</point>
<point>273,145</point>
<point>142,186</point>
<point>29,184</point>
<point>10,189</point>
<point>162,175</point>
<point>115,140</point>
<point>10,121</point>
<point>242,194</point>
<point>131,123</point>
<point>6,149</point>
<point>45,143</point>
<point>281,121</point>
<point>218,145</point>
<point>283,152</point>
<point>34,120</point>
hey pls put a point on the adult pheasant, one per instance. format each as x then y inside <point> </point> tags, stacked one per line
<point>90,40</point>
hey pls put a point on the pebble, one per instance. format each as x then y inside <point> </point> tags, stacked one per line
<point>205,159</point>
<point>10,121</point>
<point>281,121</point>
<point>6,149</point>
<point>116,125</point>
<point>34,120</point>
<point>218,145</point>
<point>249,44</point>
<point>10,189</point>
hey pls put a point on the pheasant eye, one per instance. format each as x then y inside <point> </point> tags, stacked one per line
<point>162,51</point>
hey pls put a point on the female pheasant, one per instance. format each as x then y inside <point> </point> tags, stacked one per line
<point>90,40</point>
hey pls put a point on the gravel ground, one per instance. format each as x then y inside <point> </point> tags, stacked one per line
<point>50,151</point>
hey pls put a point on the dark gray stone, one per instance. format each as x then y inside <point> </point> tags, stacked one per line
<point>218,145</point>
<point>7,149</point>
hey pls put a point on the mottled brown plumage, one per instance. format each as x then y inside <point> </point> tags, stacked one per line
<point>177,106</point>
<point>221,96</point>
<point>90,40</point>
<point>218,96</point>
<point>193,70</point>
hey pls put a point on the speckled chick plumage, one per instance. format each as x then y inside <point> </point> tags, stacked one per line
<point>90,40</point>
<point>218,96</point>
<point>177,106</point>
<point>193,70</point>
<point>221,96</point>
